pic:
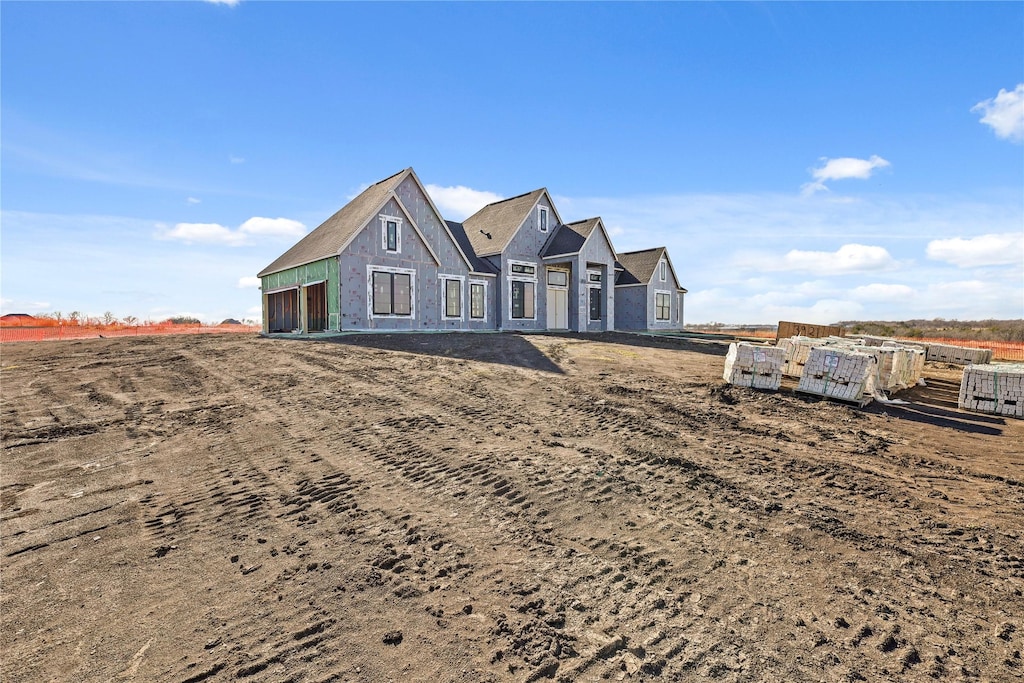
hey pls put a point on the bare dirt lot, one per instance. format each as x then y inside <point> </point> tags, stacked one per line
<point>492,508</point>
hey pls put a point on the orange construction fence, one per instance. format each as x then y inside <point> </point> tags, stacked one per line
<point>55,332</point>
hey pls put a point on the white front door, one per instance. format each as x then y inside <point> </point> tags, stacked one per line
<point>558,308</point>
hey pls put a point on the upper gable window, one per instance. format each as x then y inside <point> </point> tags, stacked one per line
<point>523,269</point>
<point>391,233</point>
<point>542,220</point>
<point>663,267</point>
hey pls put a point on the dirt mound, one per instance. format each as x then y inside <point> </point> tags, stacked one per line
<point>491,508</point>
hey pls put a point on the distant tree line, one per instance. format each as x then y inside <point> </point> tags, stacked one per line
<point>980,330</point>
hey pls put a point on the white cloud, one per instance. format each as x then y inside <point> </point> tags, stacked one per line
<point>882,292</point>
<point>15,306</point>
<point>849,258</point>
<point>248,282</point>
<point>203,233</point>
<point>282,227</point>
<point>984,250</point>
<point>841,169</point>
<point>232,158</point>
<point>214,233</point>
<point>1004,113</point>
<point>229,3</point>
<point>193,200</point>
<point>460,202</point>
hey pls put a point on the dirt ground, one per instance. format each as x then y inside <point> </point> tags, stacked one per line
<point>492,508</point>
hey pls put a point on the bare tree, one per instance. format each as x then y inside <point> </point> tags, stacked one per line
<point>109,318</point>
<point>130,320</point>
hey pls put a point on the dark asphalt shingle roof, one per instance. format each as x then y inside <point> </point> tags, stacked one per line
<point>337,230</point>
<point>479,265</point>
<point>570,238</point>
<point>491,228</point>
<point>639,266</point>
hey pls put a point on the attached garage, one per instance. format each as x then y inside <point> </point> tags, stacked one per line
<point>283,310</point>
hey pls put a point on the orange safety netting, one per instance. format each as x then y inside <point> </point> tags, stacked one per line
<point>20,333</point>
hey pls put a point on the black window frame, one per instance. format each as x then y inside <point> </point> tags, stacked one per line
<point>473,287</point>
<point>658,306</point>
<point>392,312</point>
<point>523,299</point>
<point>390,236</point>
<point>595,297</point>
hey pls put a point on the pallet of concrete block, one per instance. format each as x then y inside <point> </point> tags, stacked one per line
<point>959,355</point>
<point>840,373</point>
<point>915,361</point>
<point>899,367</point>
<point>993,388</point>
<point>796,350</point>
<point>756,366</point>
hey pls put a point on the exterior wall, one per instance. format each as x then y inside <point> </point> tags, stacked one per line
<point>318,271</point>
<point>597,254</point>
<point>671,287</point>
<point>525,246</point>
<point>367,250</point>
<point>631,308</point>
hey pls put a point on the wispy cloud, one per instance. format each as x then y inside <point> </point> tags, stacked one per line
<point>842,168</point>
<point>215,233</point>
<point>984,250</point>
<point>248,282</point>
<point>277,227</point>
<point>849,258</point>
<point>236,159</point>
<point>1004,113</point>
<point>229,3</point>
<point>193,200</point>
<point>460,202</point>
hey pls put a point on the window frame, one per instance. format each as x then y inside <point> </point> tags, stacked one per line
<point>384,220</point>
<point>657,306</point>
<point>524,278</point>
<point>444,279</point>
<point>663,270</point>
<point>483,303</point>
<point>371,314</point>
<point>564,273</point>
<point>542,218</point>
<point>590,305</point>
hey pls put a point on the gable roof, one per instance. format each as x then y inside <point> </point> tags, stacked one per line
<point>339,230</point>
<point>569,238</point>
<point>490,229</point>
<point>328,239</point>
<point>477,264</point>
<point>639,266</point>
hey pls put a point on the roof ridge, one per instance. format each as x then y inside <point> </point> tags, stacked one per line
<point>639,251</point>
<point>518,196</point>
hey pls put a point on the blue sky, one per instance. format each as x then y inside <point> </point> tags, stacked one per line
<point>816,162</point>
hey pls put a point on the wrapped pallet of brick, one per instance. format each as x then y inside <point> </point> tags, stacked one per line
<point>797,349</point>
<point>993,388</point>
<point>750,365</point>
<point>840,373</point>
<point>958,355</point>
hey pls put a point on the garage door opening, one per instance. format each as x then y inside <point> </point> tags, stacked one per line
<point>316,307</point>
<point>283,311</point>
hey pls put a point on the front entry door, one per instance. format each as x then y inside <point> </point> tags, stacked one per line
<point>558,308</point>
<point>558,299</point>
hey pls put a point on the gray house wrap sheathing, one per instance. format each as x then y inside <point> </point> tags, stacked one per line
<point>389,261</point>
<point>648,295</point>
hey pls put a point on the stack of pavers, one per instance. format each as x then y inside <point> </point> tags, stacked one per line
<point>751,365</point>
<point>958,355</point>
<point>899,366</point>
<point>993,388</point>
<point>840,373</point>
<point>943,353</point>
<point>797,350</point>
